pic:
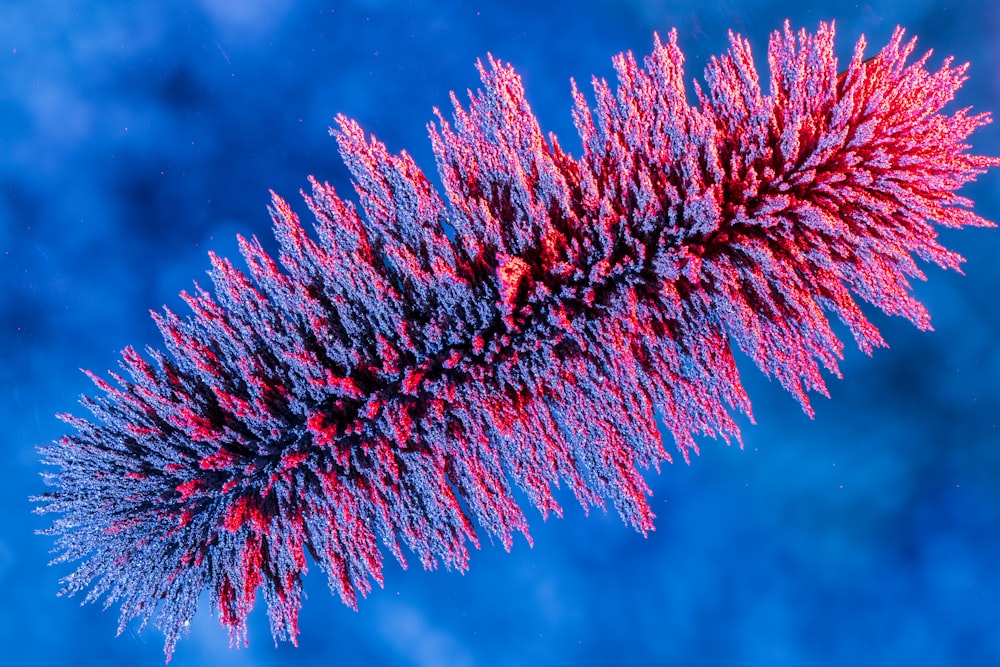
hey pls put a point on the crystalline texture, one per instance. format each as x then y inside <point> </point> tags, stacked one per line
<point>380,385</point>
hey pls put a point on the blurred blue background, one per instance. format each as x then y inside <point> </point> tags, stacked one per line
<point>136,136</point>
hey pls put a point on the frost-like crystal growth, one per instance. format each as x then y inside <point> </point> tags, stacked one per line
<point>385,384</point>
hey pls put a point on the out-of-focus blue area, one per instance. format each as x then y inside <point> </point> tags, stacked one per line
<point>136,136</point>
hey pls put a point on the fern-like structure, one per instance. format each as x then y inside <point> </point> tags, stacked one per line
<point>383,385</point>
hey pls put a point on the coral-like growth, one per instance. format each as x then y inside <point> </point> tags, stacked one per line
<point>389,380</point>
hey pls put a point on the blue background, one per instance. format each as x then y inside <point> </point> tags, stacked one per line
<point>136,136</point>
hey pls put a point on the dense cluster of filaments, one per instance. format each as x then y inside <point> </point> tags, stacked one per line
<point>388,381</point>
